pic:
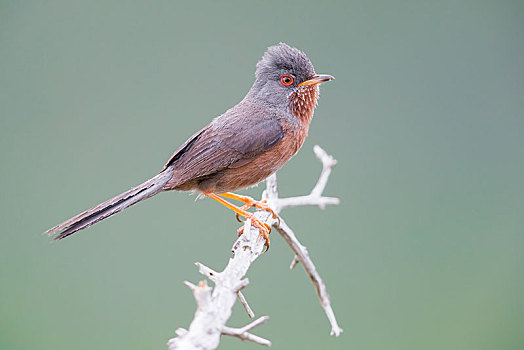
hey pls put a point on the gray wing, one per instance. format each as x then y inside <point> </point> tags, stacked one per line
<point>230,141</point>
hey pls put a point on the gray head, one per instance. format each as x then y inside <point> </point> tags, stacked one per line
<point>283,73</point>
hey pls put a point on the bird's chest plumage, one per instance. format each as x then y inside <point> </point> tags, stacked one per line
<point>295,126</point>
<point>302,105</point>
<point>264,164</point>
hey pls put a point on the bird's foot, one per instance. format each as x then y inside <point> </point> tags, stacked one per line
<point>262,227</point>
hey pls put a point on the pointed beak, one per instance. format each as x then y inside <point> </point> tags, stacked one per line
<point>317,79</point>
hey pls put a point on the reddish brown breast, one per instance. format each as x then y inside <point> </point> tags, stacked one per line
<point>302,105</point>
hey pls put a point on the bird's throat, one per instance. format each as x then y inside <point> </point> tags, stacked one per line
<point>303,103</point>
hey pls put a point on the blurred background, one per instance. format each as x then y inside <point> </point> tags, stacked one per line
<point>425,117</point>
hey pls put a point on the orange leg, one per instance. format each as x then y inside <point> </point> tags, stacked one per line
<point>250,202</point>
<point>264,228</point>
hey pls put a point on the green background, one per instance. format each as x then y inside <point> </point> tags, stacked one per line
<point>426,119</point>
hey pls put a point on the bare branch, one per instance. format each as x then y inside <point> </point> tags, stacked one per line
<point>206,271</point>
<point>180,331</point>
<point>241,285</point>
<point>294,262</point>
<point>190,285</point>
<point>315,197</point>
<point>214,308</point>
<point>243,333</point>
<point>328,162</point>
<point>254,324</point>
<point>301,253</point>
<point>303,256</point>
<point>310,199</point>
<point>210,273</point>
<point>214,305</point>
<point>246,306</point>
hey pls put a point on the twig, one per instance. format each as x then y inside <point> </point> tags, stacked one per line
<point>315,197</point>
<point>243,333</point>
<point>246,306</point>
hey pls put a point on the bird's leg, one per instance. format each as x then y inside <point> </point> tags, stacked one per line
<point>264,228</point>
<point>250,202</point>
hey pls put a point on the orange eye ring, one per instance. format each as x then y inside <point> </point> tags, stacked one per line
<point>286,80</point>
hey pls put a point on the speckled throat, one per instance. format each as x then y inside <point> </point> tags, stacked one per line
<point>303,102</point>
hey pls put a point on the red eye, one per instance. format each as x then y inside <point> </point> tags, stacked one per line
<point>286,80</point>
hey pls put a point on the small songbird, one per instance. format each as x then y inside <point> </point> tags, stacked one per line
<point>238,149</point>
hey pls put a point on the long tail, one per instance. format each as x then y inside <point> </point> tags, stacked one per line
<point>112,206</point>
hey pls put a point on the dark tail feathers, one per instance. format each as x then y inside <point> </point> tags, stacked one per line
<point>112,206</point>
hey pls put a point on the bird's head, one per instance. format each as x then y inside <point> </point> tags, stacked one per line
<point>286,78</point>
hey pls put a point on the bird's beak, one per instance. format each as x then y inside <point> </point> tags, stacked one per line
<point>317,79</point>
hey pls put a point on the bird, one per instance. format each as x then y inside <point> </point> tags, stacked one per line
<point>238,149</point>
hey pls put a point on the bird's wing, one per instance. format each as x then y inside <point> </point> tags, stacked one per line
<point>232,140</point>
<point>182,149</point>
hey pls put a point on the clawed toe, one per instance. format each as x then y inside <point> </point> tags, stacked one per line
<point>263,228</point>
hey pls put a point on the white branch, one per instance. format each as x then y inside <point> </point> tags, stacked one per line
<point>302,255</point>
<point>246,306</point>
<point>243,333</point>
<point>210,273</point>
<point>301,252</point>
<point>214,306</point>
<point>315,197</point>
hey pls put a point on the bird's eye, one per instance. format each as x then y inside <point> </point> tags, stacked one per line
<point>286,80</point>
